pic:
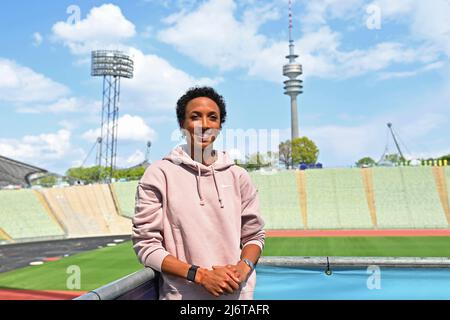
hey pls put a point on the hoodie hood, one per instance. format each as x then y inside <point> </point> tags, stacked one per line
<point>180,156</point>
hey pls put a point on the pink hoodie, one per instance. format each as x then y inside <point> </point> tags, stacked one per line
<point>200,214</point>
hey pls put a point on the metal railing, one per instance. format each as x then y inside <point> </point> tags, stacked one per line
<point>143,284</point>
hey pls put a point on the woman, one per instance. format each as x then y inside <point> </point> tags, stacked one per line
<point>197,218</point>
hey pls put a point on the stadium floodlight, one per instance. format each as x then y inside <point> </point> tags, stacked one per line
<point>112,66</point>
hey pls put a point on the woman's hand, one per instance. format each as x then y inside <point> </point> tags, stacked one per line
<point>242,269</point>
<point>220,280</point>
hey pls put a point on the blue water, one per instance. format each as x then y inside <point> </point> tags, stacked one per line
<point>359,283</point>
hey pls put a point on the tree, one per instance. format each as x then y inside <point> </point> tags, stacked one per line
<point>47,181</point>
<point>285,153</point>
<point>256,161</point>
<point>90,175</point>
<point>395,158</point>
<point>366,162</point>
<point>304,150</point>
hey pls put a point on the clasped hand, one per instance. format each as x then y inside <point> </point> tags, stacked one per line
<point>224,279</point>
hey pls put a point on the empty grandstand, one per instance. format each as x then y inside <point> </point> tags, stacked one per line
<point>279,200</point>
<point>336,199</point>
<point>22,217</point>
<point>125,193</point>
<point>369,198</point>
<point>86,210</point>
<point>15,173</point>
<point>407,197</point>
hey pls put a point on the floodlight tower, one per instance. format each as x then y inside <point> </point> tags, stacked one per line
<point>293,86</point>
<point>112,66</point>
<point>147,153</point>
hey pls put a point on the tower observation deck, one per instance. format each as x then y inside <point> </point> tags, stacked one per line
<point>293,87</point>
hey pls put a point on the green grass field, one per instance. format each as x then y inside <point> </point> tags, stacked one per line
<point>105,265</point>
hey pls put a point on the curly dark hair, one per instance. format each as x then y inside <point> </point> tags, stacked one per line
<point>198,92</point>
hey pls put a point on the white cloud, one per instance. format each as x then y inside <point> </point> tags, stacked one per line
<point>137,157</point>
<point>317,13</point>
<point>394,9</point>
<point>39,148</point>
<point>344,144</point>
<point>64,105</point>
<point>37,39</point>
<point>321,56</point>
<point>211,35</point>
<point>19,84</point>
<point>130,128</point>
<point>157,84</point>
<point>105,27</point>
<point>430,23</point>
<point>412,73</point>
<point>320,48</point>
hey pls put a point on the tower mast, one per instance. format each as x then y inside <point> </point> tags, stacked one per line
<point>293,86</point>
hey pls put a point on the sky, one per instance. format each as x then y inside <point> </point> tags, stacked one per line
<point>365,63</point>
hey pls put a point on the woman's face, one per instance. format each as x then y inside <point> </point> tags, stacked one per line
<point>202,121</point>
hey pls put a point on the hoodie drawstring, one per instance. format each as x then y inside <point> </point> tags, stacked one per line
<point>217,188</point>
<point>202,201</point>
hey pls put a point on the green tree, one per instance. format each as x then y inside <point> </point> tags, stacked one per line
<point>47,181</point>
<point>285,153</point>
<point>304,150</point>
<point>446,157</point>
<point>366,161</point>
<point>395,158</point>
<point>256,161</point>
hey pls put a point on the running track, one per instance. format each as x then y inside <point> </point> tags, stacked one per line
<point>360,233</point>
<point>68,295</point>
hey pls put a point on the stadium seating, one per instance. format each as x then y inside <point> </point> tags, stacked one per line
<point>125,193</point>
<point>279,200</point>
<point>86,210</point>
<point>23,217</point>
<point>406,197</point>
<point>380,197</point>
<point>336,199</point>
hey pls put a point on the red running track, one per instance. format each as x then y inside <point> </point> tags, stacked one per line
<point>13,294</point>
<point>360,233</point>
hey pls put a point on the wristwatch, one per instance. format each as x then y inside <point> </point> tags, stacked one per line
<point>250,264</point>
<point>192,272</point>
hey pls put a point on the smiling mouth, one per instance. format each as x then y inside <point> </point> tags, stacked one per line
<point>204,137</point>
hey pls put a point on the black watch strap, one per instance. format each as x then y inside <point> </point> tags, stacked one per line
<point>192,272</point>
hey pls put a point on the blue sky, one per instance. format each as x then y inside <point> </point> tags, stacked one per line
<point>365,63</point>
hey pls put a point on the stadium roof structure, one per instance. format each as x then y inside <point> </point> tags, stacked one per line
<point>144,164</point>
<point>17,173</point>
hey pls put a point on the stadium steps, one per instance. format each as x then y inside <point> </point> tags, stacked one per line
<point>302,194</point>
<point>116,223</point>
<point>86,210</point>
<point>49,211</point>
<point>116,200</point>
<point>370,195</point>
<point>441,185</point>
<point>5,236</point>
